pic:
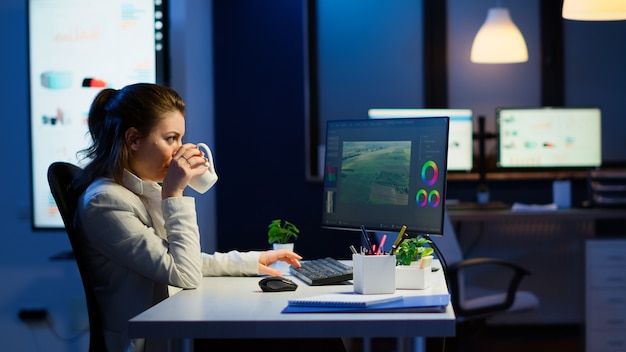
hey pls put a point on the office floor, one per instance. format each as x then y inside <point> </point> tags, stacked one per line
<point>544,338</point>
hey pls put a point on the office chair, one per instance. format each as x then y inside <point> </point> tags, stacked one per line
<point>473,304</point>
<point>60,176</point>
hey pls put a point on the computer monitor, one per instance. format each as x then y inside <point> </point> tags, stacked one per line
<point>76,49</point>
<point>460,141</point>
<point>386,173</point>
<point>549,137</point>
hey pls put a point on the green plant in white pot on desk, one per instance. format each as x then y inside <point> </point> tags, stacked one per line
<point>412,250</point>
<point>280,232</point>
<point>411,270</point>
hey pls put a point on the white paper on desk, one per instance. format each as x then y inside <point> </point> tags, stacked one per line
<point>344,300</point>
<point>533,207</point>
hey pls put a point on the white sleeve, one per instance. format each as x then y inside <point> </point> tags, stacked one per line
<point>232,263</point>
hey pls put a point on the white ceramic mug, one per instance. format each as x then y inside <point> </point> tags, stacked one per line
<point>204,182</point>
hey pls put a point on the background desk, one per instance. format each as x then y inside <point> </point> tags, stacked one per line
<point>561,214</point>
<point>550,244</point>
<point>235,307</point>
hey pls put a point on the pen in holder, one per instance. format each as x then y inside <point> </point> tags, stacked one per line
<point>374,274</point>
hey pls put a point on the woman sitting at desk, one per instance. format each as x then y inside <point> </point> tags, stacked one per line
<point>140,232</point>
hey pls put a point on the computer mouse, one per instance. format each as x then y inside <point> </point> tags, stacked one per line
<point>277,284</point>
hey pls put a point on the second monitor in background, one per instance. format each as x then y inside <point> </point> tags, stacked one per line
<point>549,137</point>
<point>460,141</point>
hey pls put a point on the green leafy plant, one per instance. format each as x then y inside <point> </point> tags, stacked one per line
<point>412,250</point>
<point>280,231</point>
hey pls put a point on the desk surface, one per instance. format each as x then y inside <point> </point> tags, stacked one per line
<point>561,214</point>
<point>235,307</point>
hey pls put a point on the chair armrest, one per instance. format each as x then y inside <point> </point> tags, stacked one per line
<point>453,272</point>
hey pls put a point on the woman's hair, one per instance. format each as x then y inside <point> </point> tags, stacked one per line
<point>141,106</point>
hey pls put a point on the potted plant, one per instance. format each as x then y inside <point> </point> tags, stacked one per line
<point>409,274</point>
<point>482,193</point>
<point>281,231</point>
<point>412,250</point>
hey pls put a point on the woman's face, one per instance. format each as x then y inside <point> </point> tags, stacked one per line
<point>151,155</point>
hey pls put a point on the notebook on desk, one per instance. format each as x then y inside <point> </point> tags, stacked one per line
<point>343,300</point>
<point>408,304</point>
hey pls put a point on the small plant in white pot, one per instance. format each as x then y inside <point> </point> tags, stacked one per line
<point>280,232</point>
<point>409,273</point>
<point>412,250</point>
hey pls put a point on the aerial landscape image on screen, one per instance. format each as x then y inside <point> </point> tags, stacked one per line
<point>375,172</point>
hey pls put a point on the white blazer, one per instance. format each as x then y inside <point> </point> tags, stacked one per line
<point>137,245</point>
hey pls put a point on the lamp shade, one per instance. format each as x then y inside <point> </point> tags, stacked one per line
<point>499,41</point>
<point>594,10</point>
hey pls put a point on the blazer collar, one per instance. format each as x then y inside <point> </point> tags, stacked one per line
<point>139,186</point>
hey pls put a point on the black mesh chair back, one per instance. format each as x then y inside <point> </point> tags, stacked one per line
<point>60,176</point>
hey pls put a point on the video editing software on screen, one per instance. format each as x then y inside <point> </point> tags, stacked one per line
<point>386,173</point>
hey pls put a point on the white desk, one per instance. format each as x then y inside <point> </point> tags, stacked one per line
<point>235,307</point>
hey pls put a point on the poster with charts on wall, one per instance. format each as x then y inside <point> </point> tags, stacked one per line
<point>76,49</point>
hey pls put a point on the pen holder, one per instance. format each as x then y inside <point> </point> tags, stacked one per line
<point>374,274</point>
<point>412,277</point>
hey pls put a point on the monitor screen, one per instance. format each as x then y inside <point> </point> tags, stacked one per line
<point>386,173</point>
<point>460,141</point>
<point>549,137</point>
<point>77,48</point>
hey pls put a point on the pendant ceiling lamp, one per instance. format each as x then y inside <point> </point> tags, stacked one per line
<point>499,41</point>
<point>594,10</point>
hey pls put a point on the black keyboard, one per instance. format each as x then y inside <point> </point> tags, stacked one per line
<point>325,271</point>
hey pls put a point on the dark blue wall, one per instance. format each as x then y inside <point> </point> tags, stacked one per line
<point>259,124</point>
